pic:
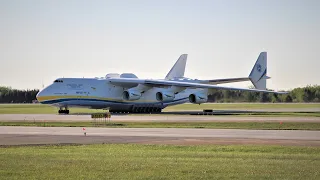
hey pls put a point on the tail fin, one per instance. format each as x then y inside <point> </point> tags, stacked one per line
<point>178,68</point>
<point>258,75</point>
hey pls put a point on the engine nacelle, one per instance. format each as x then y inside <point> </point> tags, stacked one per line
<point>131,95</point>
<point>165,96</point>
<point>198,98</point>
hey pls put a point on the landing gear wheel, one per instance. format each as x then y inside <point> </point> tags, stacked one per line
<point>63,111</point>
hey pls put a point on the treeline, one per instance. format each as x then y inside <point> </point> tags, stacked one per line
<point>9,95</point>
<point>304,94</point>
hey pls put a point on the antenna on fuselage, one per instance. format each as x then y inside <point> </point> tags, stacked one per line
<point>42,83</point>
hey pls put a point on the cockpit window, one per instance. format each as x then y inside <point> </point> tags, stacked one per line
<point>58,81</point>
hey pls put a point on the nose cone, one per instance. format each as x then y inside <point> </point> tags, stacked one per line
<point>39,96</point>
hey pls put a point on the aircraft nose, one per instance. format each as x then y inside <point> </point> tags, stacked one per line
<point>40,95</point>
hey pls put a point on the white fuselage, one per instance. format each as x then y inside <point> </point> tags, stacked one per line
<point>126,92</point>
<point>100,93</point>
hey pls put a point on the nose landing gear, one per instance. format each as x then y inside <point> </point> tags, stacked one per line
<point>63,111</point>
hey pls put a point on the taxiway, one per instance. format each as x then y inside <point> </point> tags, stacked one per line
<point>158,118</point>
<point>75,135</point>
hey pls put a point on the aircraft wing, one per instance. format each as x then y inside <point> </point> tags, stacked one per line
<point>158,83</point>
<point>229,80</point>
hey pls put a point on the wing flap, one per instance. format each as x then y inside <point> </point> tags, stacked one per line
<point>228,80</point>
<point>209,86</point>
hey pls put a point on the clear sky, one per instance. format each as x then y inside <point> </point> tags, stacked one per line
<point>41,40</point>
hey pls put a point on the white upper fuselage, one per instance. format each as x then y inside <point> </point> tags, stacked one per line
<point>100,93</point>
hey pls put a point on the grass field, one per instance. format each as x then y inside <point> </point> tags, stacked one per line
<point>243,106</point>
<point>126,161</point>
<point>206,125</point>
<point>46,109</point>
<point>259,114</point>
<point>39,109</point>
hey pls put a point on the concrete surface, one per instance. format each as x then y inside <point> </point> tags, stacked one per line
<point>158,118</point>
<point>75,135</point>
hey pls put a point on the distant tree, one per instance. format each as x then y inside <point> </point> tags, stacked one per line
<point>300,94</point>
<point>264,97</point>
<point>288,98</point>
<point>9,95</point>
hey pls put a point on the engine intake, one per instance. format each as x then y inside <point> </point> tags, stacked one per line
<point>131,95</point>
<point>165,96</point>
<point>198,98</point>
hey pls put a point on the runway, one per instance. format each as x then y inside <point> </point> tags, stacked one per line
<point>156,118</point>
<point>75,135</point>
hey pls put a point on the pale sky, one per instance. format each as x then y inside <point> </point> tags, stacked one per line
<point>41,40</point>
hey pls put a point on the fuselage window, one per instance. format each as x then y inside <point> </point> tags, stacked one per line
<point>58,81</point>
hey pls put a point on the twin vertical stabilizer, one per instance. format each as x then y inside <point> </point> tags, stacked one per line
<point>177,71</point>
<point>258,75</point>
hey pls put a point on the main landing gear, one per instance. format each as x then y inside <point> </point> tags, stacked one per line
<point>146,110</point>
<point>143,110</point>
<point>63,111</point>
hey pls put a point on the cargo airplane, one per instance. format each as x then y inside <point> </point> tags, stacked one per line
<point>128,93</point>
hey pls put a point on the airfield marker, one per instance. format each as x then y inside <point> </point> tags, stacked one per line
<point>85,133</point>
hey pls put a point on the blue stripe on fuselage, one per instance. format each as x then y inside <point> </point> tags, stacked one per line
<point>62,100</point>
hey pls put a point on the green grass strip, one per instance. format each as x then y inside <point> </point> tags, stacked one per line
<point>129,161</point>
<point>46,109</point>
<point>206,125</point>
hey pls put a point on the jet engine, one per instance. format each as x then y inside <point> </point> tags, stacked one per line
<point>165,96</point>
<point>131,95</point>
<point>198,98</point>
